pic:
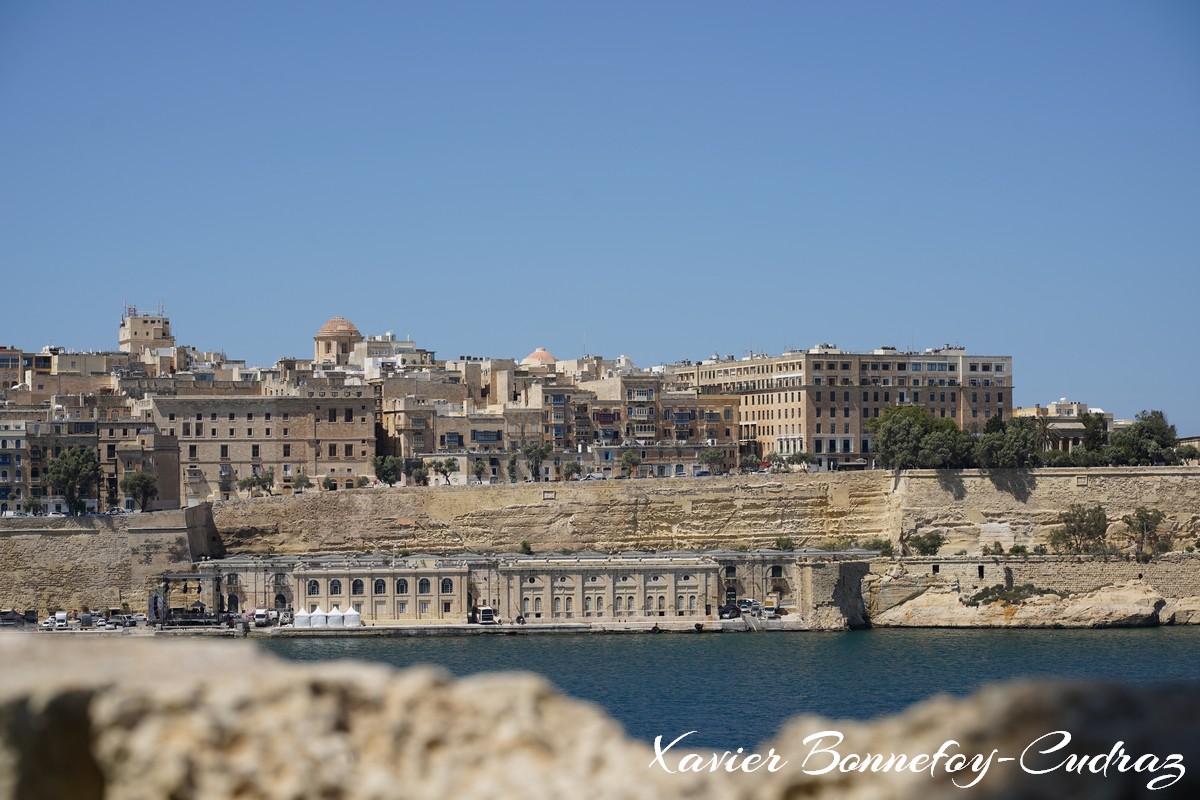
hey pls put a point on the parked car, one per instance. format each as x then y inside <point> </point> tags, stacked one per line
<point>729,612</point>
<point>140,618</point>
<point>745,605</point>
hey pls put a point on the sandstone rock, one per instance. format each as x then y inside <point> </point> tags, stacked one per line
<point>154,719</point>
<point>1184,611</point>
<point>941,606</point>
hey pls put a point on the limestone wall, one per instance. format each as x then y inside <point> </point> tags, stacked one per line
<point>97,562</point>
<point>972,508</point>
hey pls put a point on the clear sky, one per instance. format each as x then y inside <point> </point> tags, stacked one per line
<point>665,179</point>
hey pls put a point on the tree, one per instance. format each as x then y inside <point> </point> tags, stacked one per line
<point>444,467</point>
<point>478,468</point>
<point>801,458</point>
<point>264,480</point>
<point>329,484</point>
<point>535,454</point>
<point>1016,447</point>
<point>421,476</point>
<point>1187,453</point>
<point>927,544</point>
<point>33,504</point>
<point>75,473</point>
<point>749,463</point>
<point>1149,440</point>
<point>946,447</point>
<point>1045,432</point>
<point>714,459</point>
<point>1084,530</point>
<point>630,461</point>
<point>301,483</point>
<point>362,482</point>
<point>141,486</point>
<point>513,468</point>
<point>786,543</point>
<point>1095,431</point>
<point>525,547</point>
<point>388,469</point>
<point>1143,523</point>
<point>899,431</point>
<point>776,460</point>
<point>994,425</point>
<point>571,469</point>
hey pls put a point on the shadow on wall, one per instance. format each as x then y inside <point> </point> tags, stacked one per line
<point>1019,483</point>
<point>951,481</point>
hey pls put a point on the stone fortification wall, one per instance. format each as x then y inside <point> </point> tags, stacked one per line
<point>973,508</point>
<point>142,719</point>
<point>97,562</point>
<point>894,582</point>
<point>604,515</point>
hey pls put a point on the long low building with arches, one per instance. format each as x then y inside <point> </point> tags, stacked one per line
<point>406,588</point>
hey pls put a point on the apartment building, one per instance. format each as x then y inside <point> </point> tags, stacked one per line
<point>820,400</point>
<point>144,331</point>
<point>326,433</point>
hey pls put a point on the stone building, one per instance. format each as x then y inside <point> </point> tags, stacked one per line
<point>335,342</point>
<point>144,331</point>
<point>819,401</point>
<point>1065,418</point>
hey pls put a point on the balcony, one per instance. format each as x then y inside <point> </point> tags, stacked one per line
<point>604,418</point>
<point>641,413</point>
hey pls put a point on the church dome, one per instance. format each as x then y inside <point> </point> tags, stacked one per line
<point>338,327</point>
<point>539,356</point>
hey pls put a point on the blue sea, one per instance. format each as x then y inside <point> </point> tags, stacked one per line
<point>738,688</point>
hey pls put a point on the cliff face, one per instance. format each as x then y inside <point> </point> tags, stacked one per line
<point>605,515</point>
<point>971,508</point>
<point>153,719</point>
<point>1121,606</point>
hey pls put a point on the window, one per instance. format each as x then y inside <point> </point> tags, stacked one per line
<point>380,586</point>
<point>254,451</point>
<point>335,586</point>
<point>349,417</point>
<point>224,451</point>
<point>356,587</point>
<point>348,450</point>
<point>332,414</point>
<point>287,451</point>
<point>314,588</point>
<point>776,571</point>
<point>447,586</point>
<point>333,451</point>
<point>423,586</point>
<point>401,586</point>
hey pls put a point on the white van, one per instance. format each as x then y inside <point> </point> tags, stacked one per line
<point>487,616</point>
<point>262,618</point>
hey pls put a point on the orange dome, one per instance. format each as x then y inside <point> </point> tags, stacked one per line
<point>338,327</point>
<point>539,356</point>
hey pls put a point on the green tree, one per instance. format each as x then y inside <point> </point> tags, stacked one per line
<point>630,461</point>
<point>1045,432</point>
<point>994,425</point>
<point>329,484</point>
<point>776,460</point>
<point>1187,453</point>
<point>785,543</point>
<point>1095,431</point>
<point>571,469</point>
<point>714,459</point>
<point>420,476</point>
<point>1016,447</point>
<point>449,467</point>
<point>32,504</point>
<point>947,447</point>
<point>801,458</point>
<point>141,486</point>
<point>513,468</point>
<point>362,482</point>
<point>899,432</point>
<point>1084,530</point>
<point>388,469</point>
<point>478,469</point>
<point>927,544</point>
<point>1149,440</point>
<point>525,547</point>
<point>1143,524</point>
<point>749,462</point>
<point>75,473</point>
<point>535,454</point>
<point>301,483</point>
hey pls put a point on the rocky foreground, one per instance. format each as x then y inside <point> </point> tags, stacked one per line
<point>155,719</point>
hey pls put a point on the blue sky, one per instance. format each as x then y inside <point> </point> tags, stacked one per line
<point>659,179</point>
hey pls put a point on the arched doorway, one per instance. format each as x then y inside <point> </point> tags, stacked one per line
<point>280,602</point>
<point>231,603</point>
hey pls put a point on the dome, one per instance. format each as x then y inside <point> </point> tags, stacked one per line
<point>539,356</point>
<point>338,326</point>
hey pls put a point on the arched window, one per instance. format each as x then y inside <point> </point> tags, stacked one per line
<point>557,605</point>
<point>587,605</point>
<point>599,605</point>
<point>280,579</point>
<point>232,603</point>
<point>423,586</point>
<point>537,605</point>
<point>649,603</point>
<point>401,586</point>
<point>679,602</point>
<point>335,586</point>
<point>525,604</point>
<point>447,586</point>
<point>380,586</point>
<point>691,602</point>
<point>356,587</point>
<point>570,605</point>
<point>629,604</point>
<point>662,603</point>
<point>314,587</point>
<point>617,605</point>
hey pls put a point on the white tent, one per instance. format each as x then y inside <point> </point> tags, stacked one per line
<point>336,618</point>
<point>318,618</point>
<point>302,619</point>
<point>351,619</point>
